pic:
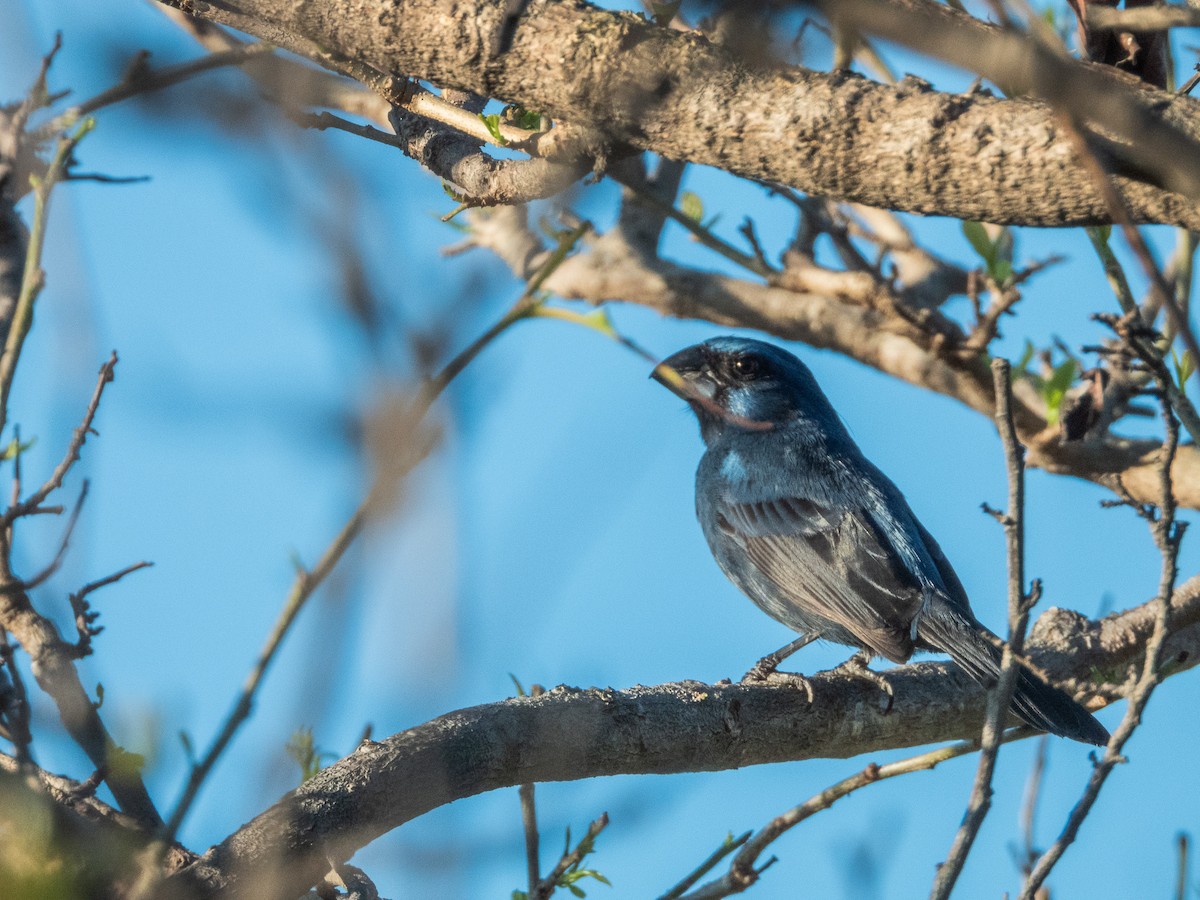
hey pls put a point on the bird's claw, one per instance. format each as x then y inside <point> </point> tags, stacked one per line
<point>856,667</point>
<point>760,671</point>
<point>763,675</point>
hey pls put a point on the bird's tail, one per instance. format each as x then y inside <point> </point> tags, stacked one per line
<point>977,652</point>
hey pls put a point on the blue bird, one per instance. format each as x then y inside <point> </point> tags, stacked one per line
<point>822,540</point>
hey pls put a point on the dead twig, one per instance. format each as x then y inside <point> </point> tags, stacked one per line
<point>742,873</point>
<point>1168,533</point>
<point>78,438</point>
<point>85,618</point>
<point>1019,604</point>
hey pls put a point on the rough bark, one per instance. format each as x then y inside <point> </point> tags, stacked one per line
<point>904,147</point>
<point>568,734</point>
<point>618,267</point>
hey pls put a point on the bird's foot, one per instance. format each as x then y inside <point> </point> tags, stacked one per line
<point>794,680</point>
<point>765,672</point>
<point>856,667</point>
<point>761,670</point>
<point>766,666</point>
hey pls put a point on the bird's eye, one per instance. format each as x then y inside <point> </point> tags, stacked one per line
<point>748,367</point>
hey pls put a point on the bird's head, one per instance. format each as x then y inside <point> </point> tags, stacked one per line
<point>739,384</point>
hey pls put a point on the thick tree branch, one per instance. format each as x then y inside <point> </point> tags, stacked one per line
<point>629,81</point>
<point>569,734</point>
<point>610,269</point>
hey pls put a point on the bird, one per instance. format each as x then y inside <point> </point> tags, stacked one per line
<point>819,538</point>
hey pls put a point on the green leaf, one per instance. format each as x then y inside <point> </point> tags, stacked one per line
<point>522,117</point>
<point>1003,244</point>
<point>1184,367</point>
<point>519,895</point>
<point>691,206</point>
<point>1054,388</point>
<point>1099,234</point>
<point>1063,375</point>
<point>598,320</point>
<point>1021,367</point>
<point>520,689</point>
<point>303,750</point>
<point>15,448</point>
<point>976,234</point>
<point>456,196</point>
<point>546,227</point>
<point>99,695</point>
<point>1000,271</point>
<point>577,891</point>
<point>575,874</point>
<point>492,122</point>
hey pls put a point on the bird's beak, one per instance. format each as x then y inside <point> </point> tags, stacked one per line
<point>685,375</point>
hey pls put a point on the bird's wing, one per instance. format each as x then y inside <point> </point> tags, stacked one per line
<point>831,563</point>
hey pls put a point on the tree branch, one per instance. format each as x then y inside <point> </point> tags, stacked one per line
<point>610,269</point>
<point>568,734</point>
<point>1019,604</point>
<point>629,81</point>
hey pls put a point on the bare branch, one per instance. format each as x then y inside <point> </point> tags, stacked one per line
<point>33,278</point>
<point>55,481</point>
<point>742,874</point>
<point>1168,534</point>
<point>612,270</point>
<point>85,619</point>
<point>1001,693</point>
<point>142,80</point>
<point>569,733</point>
<point>305,584</point>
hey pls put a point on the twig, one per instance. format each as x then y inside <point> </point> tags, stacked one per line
<point>1033,791</point>
<point>33,278</point>
<point>533,869</point>
<point>742,873</point>
<point>141,80</point>
<point>529,823</point>
<point>1000,695</point>
<point>16,709</point>
<point>43,576</point>
<point>525,306</point>
<point>323,120</point>
<point>546,887</point>
<point>15,496</point>
<point>55,481</point>
<point>704,235</point>
<point>84,617</point>
<point>730,844</point>
<point>1181,877</point>
<point>1120,214</point>
<point>307,581</point>
<point>1167,535</point>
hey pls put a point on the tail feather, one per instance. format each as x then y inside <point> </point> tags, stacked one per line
<point>1041,705</point>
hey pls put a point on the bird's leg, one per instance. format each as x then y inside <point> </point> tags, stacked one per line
<point>771,661</point>
<point>858,666</point>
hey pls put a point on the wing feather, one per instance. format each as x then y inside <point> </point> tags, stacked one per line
<point>829,564</point>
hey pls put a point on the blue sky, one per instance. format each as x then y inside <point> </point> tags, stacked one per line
<point>551,535</point>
